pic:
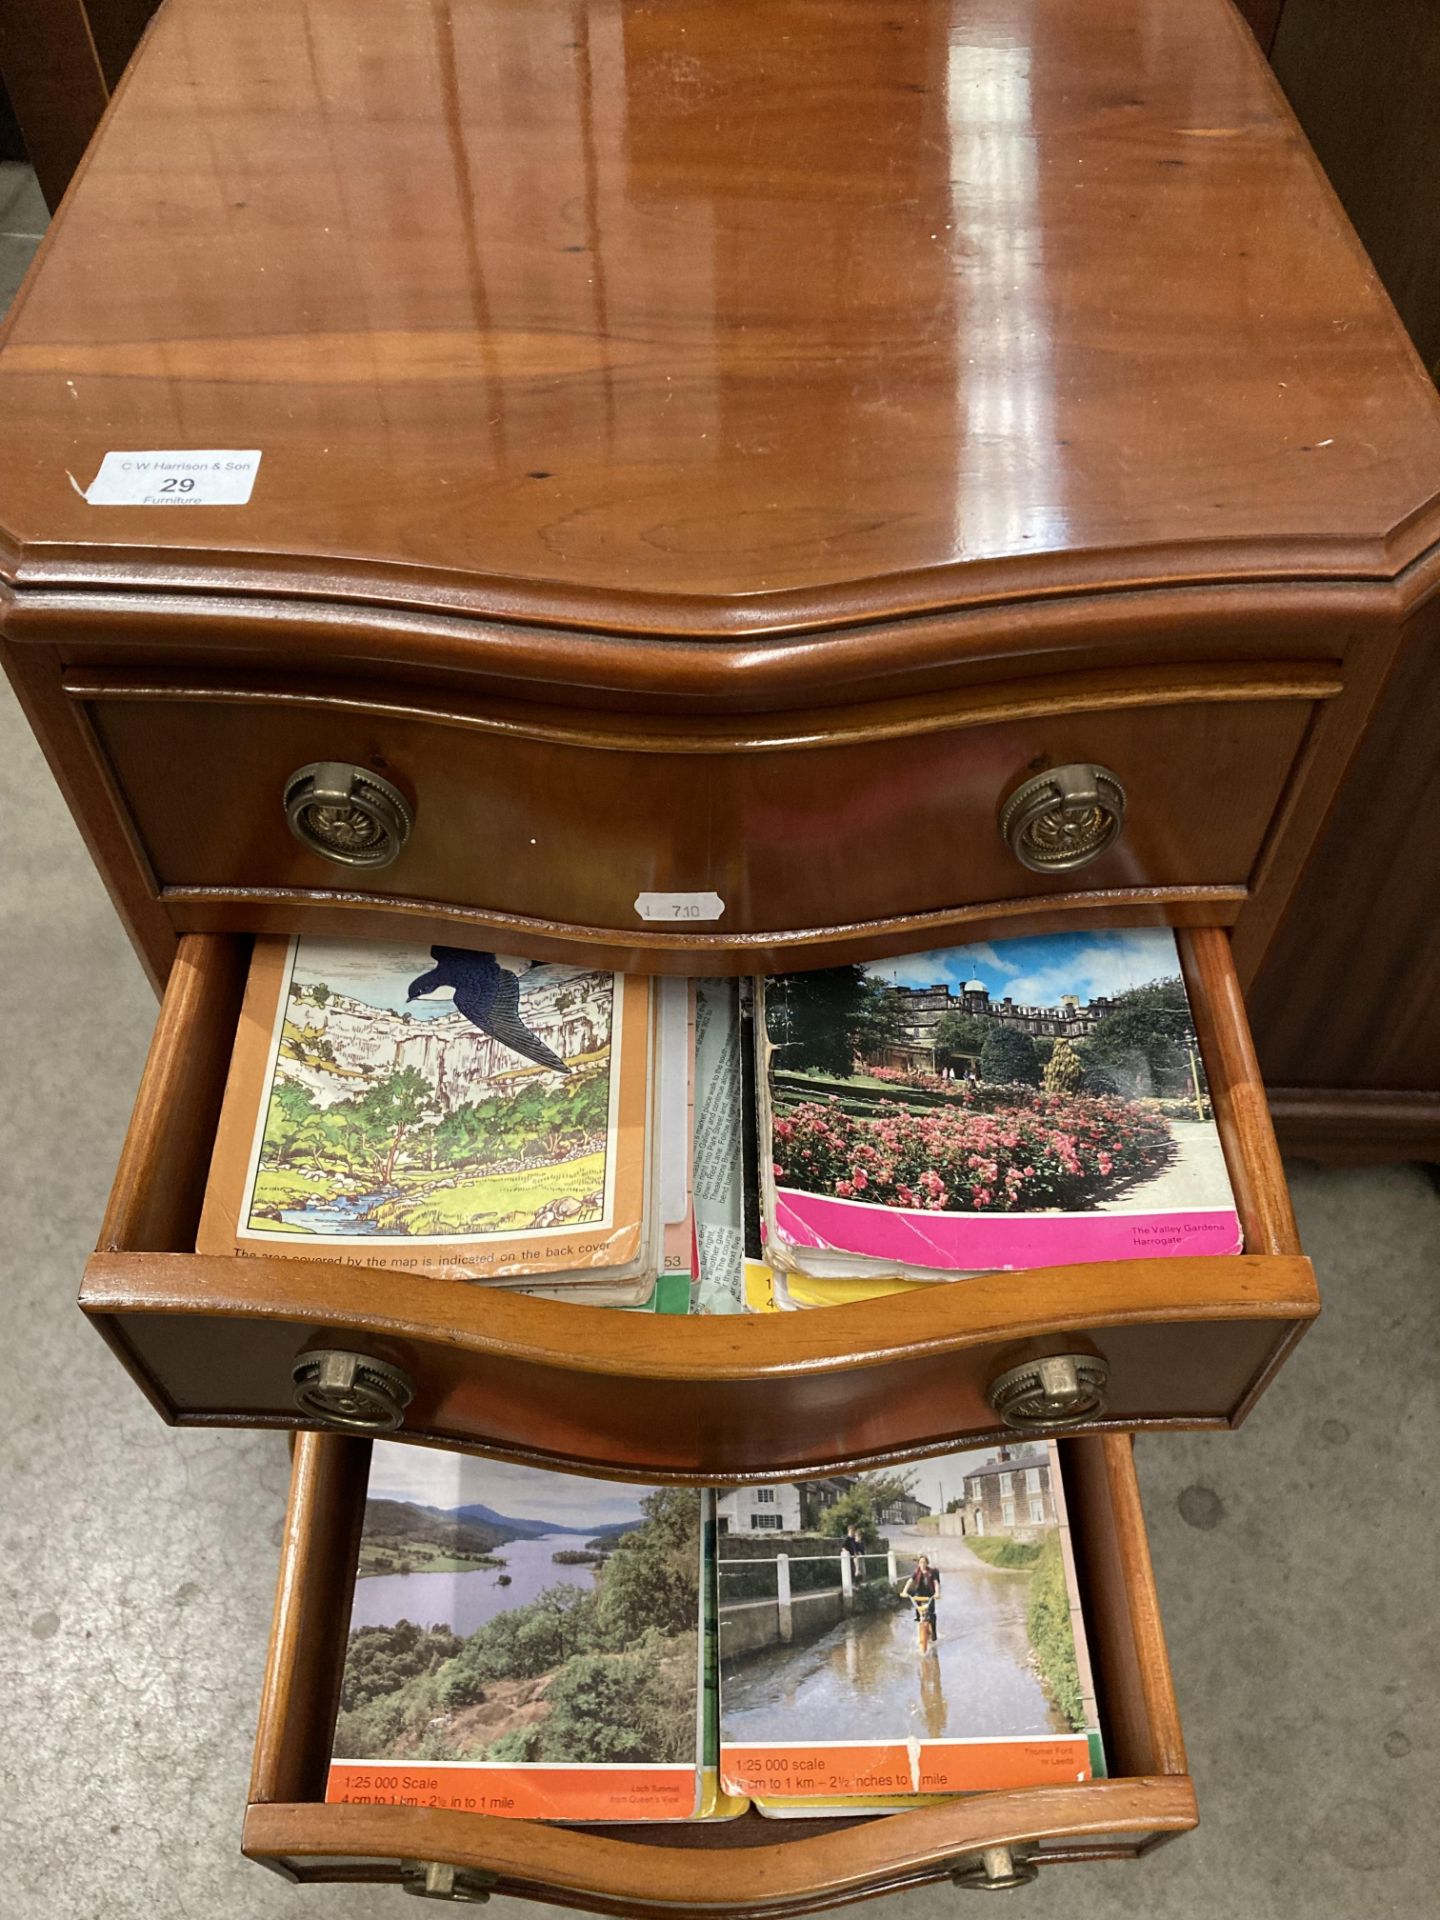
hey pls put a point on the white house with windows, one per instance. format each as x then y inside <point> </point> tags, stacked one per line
<point>759,1510</point>
<point>1010,1494</point>
<point>792,1507</point>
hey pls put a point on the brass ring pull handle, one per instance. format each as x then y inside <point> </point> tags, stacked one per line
<point>351,1391</point>
<point>1064,818</point>
<point>438,1880</point>
<point>347,814</point>
<point>1061,1391</point>
<point>995,1869</point>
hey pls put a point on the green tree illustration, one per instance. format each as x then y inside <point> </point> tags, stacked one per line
<point>292,1113</point>
<point>383,1118</point>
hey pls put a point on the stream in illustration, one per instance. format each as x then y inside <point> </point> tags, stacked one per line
<point>343,1214</point>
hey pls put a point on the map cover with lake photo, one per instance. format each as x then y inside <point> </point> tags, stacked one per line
<point>523,1642</point>
<point>437,1109</point>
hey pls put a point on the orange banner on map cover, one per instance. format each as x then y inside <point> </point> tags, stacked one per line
<point>521,1792</point>
<point>888,1767</point>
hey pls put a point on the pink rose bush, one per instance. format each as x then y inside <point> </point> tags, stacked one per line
<point>1035,1150</point>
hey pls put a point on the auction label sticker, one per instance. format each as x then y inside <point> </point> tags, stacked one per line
<point>207,477</point>
<point>679,906</point>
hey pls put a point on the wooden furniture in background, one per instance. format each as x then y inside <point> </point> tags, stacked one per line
<point>1262,17</point>
<point>1346,1012</point>
<point>1364,79</point>
<point>61,61</point>
<point>1346,1008</point>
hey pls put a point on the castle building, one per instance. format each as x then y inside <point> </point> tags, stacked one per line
<point>921,1010</point>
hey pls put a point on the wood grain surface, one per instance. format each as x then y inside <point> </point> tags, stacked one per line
<point>1365,83</point>
<point>863,815</point>
<point>55,80</point>
<point>1262,17</point>
<point>697,370</point>
<point>1346,1007</point>
<point>649,319</point>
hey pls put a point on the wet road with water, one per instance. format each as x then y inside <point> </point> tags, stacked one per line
<point>866,1679</point>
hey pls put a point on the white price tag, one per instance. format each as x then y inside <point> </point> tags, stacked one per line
<point>679,906</point>
<point>210,477</point>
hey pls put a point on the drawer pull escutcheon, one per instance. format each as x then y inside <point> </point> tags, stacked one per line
<point>347,814</point>
<point>995,1869</point>
<point>1064,818</point>
<point>1057,1392</point>
<point>351,1391</point>
<point>438,1880</point>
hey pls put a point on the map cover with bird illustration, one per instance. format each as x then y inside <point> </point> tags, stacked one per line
<point>441,1110</point>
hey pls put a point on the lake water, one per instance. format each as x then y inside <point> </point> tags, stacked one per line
<point>465,1601</point>
<point>348,1213</point>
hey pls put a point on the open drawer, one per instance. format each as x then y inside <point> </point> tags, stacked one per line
<point>1129,1344</point>
<point>740,1867</point>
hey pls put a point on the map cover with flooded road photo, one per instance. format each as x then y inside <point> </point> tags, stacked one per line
<point>437,1109</point>
<point>903,1633</point>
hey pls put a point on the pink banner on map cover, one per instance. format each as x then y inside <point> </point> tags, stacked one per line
<point>982,1242</point>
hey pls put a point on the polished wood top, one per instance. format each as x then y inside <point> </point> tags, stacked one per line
<point>712,319</point>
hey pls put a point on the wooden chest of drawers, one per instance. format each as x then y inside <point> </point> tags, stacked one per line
<point>750,490</point>
<point>669,520</point>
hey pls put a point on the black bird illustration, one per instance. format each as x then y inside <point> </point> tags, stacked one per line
<point>489,997</point>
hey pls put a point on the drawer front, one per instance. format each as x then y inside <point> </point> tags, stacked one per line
<point>217,1340</point>
<point>745,1867</point>
<point>218,1343</point>
<point>820,821</point>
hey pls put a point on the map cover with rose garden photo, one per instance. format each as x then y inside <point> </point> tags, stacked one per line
<point>1007,1104</point>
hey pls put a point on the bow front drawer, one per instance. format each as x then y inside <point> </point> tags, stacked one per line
<point>271,805</point>
<point>222,1340</point>
<point>742,1869</point>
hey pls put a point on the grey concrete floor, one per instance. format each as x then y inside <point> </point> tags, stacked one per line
<point>1297,1560</point>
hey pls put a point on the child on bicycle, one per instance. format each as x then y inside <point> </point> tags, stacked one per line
<point>924,1583</point>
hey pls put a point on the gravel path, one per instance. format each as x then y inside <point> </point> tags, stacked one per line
<point>1196,1177</point>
